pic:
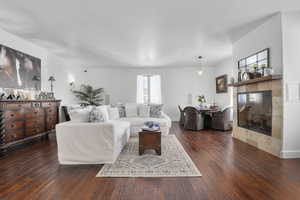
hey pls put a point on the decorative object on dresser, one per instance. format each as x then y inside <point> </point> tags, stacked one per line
<point>51,79</point>
<point>37,82</point>
<point>221,84</point>
<point>21,121</point>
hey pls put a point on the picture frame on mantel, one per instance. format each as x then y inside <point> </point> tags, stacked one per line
<point>222,84</point>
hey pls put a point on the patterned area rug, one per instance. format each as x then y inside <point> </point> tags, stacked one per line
<point>174,161</point>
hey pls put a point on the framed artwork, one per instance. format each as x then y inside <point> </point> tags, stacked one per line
<point>221,84</point>
<point>19,70</point>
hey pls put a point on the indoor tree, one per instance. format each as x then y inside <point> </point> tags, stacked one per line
<point>89,96</point>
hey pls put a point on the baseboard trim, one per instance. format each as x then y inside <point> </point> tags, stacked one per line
<point>290,154</point>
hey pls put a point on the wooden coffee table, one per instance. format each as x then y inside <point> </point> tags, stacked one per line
<point>149,140</point>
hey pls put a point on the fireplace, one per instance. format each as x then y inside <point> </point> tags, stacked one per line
<point>254,110</point>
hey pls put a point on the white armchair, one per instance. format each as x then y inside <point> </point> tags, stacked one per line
<point>91,143</point>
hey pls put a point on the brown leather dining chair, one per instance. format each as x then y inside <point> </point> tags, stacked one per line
<point>193,119</point>
<point>222,120</point>
<point>181,120</point>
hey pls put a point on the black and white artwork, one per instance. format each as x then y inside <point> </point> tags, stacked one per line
<point>19,70</point>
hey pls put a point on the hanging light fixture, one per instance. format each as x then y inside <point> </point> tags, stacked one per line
<point>200,71</point>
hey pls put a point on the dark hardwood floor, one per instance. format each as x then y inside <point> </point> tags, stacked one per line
<point>231,170</point>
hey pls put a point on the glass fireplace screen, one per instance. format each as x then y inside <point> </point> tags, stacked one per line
<point>255,111</point>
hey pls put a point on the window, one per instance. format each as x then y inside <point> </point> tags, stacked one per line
<point>148,89</point>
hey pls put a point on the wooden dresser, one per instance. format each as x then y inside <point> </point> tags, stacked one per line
<point>21,121</point>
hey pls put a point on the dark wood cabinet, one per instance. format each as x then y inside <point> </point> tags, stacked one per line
<point>21,121</point>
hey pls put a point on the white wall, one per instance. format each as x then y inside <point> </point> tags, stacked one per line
<point>291,49</point>
<point>226,67</point>
<point>267,35</point>
<point>120,84</point>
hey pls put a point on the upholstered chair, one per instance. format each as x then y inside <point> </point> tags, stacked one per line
<point>181,120</point>
<point>193,119</point>
<point>65,113</point>
<point>222,120</point>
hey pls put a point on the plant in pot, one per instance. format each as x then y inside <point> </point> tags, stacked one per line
<point>201,100</point>
<point>89,96</point>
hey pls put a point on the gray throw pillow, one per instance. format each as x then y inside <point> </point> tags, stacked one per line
<point>155,110</point>
<point>122,110</point>
<point>96,116</point>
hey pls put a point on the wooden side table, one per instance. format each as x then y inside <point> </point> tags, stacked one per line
<point>149,140</point>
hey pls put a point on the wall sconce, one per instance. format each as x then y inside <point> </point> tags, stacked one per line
<point>51,79</point>
<point>72,85</point>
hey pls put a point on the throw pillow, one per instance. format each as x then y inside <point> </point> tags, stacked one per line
<point>96,116</point>
<point>72,107</point>
<point>155,110</point>
<point>113,113</point>
<point>104,112</point>
<point>79,115</point>
<point>131,110</point>
<point>144,110</point>
<point>121,108</point>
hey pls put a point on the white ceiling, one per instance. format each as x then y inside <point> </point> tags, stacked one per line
<point>137,33</point>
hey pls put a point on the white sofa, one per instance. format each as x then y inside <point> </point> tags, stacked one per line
<point>100,142</point>
<point>91,143</point>
<point>136,123</point>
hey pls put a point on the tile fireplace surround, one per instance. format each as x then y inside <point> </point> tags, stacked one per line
<point>271,144</point>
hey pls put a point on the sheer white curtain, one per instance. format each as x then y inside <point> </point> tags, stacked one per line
<point>148,89</point>
<point>155,89</point>
<point>140,89</point>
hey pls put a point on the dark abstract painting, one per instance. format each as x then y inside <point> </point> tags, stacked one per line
<point>19,70</point>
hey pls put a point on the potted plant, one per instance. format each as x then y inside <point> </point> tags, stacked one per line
<point>201,100</point>
<point>89,96</point>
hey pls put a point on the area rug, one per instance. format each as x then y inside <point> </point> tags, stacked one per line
<point>174,161</point>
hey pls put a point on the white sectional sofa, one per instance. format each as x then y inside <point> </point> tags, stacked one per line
<point>136,123</point>
<point>100,142</point>
<point>91,143</point>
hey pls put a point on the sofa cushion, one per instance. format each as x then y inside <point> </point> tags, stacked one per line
<point>139,121</point>
<point>121,108</point>
<point>96,116</point>
<point>155,110</point>
<point>113,113</point>
<point>131,110</point>
<point>144,110</point>
<point>80,115</point>
<point>104,111</point>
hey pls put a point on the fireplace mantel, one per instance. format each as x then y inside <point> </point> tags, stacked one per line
<point>257,80</point>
